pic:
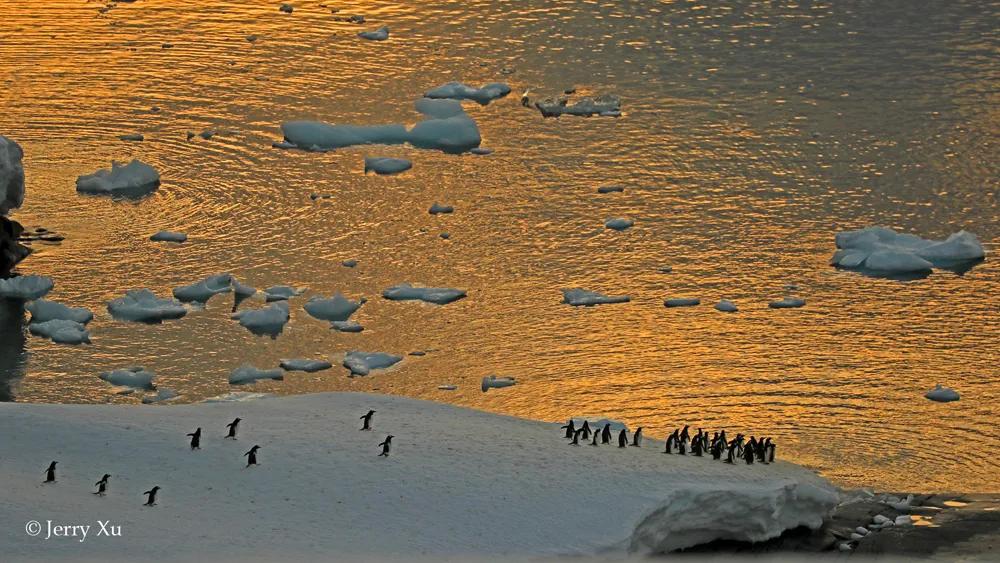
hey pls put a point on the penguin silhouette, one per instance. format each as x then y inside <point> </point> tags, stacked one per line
<point>670,443</point>
<point>576,437</point>
<point>717,448</point>
<point>606,433</point>
<point>151,501</point>
<point>696,447</point>
<point>731,454</point>
<point>50,473</point>
<point>623,438</point>
<point>681,446</point>
<point>586,430</point>
<point>748,455</point>
<point>637,437</point>
<point>770,452</point>
<point>196,439</point>
<point>596,436</point>
<point>367,418</point>
<point>252,456</point>
<point>685,436</point>
<point>102,485</point>
<point>232,428</point>
<point>570,428</point>
<point>385,446</point>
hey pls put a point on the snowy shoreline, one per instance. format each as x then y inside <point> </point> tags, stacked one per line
<point>459,482</point>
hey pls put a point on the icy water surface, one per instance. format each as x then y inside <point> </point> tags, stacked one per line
<point>752,132</point>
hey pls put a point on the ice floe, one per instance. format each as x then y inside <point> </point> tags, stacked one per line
<point>131,137</point>
<point>131,180</point>
<point>682,302</point>
<point>362,363</point>
<point>387,165</point>
<point>168,236</point>
<point>610,189</point>
<point>286,8</point>
<point>606,105</point>
<point>161,396</point>
<point>481,151</point>
<point>447,387</point>
<point>380,34</point>
<point>582,297</point>
<point>494,382</point>
<point>336,308</point>
<point>346,326</point>
<point>142,305</point>
<point>349,263</point>
<point>134,377</point>
<point>942,394</point>
<point>437,295</point>
<point>787,303</point>
<point>268,321</point>
<point>61,331</point>
<point>28,287</point>
<point>249,374</point>
<point>726,306</point>
<point>309,366</point>
<point>44,310</point>
<point>619,224</point>
<point>437,209</point>
<point>459,91</point>
<point>282,292</point>
<point>203,290</point>
<point>883,251</point>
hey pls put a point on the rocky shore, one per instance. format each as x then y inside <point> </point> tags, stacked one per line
<point>11,197</point>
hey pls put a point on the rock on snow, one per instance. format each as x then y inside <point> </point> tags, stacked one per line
<point>883,250</point>
<point>133,179</point>
<point>27,288</point>
<point>437,295</point>
<point>142,305</point>
<point>362,363</point>
<point>387,165</point>
<point>582,297</point>
<point>459,91</point>
<point>942,394</point>
<point>249,374</point>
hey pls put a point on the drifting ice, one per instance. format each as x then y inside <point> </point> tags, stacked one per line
<point>494,382</point>
<point>942,394</point>
<point>787,303</point>
<point>682,302</point>
<point>459,91</point>
<point>336,308</point>
<point>282,292</point>
<point>309,366</point>
<point>380,34</point>
<point>43,310</point>
<point>142,305</point>
<point>437,209</point>
<point>362,363</point>
<point>608,106</point>
<point>884,251</point>
<point>582,297</point>
<point>61,331</point>
<point>267,321</point>
<point>726,306</point>
<point>619,224</point>
<point>437,295</point>
<point>27,288</point>
<point>386,165</point>
<point>202,291</point>
<point>135,377</point>
<point>249,374</point>
<point>346,326</point>
<point>133,179</point>
<point>168,236</point>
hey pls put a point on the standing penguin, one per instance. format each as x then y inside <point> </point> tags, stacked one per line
<point>637,437</point>
<point>151,501</point>
<point>770,451</point>
<point>570,428</point>
<point>50,473</point>
<point>196,439</point>
<point>596,436</point>
<point>586,430</point>
<point>717,448</point>
<point>606,433</point>
<point>102,485</point>
<point>731,453</point>
<point>685,436</point>
<point>385,446</point>
<point>367,418</point>
<point>252,456</point>
<point>681,447</point>
<point>623,438</point>
<point>696,447</point>
<point>748,455</point>
<point>232,428</point>
<point>670,443</point>
<point>576,437</point>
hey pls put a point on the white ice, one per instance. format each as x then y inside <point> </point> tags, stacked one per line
<point>11,175</point>
<point>269,320</point>
<point>133,179</point>
<point>336,308</point>
<point>27,288</point>
<point>249,374</point>
<point>726,306</point>
<point>582,297</point>
<point>608,105</point>
<point>787,303</point>
<point>61,331</point>
<point>883,250</point>
<point>459,91</point>
<point>362,363</point>
<point>168,236</point>
<point>203,290</point>
<point>437,295</point>
<point>494,382</point>
<point>142,305</point>
<point>387,165</point>
<point>305,365</point>
<point>942,394</point>
<point>134,377</point>
<point>380,34</point>
<point>44,310</point>
<point>682,302</point>
<point>619,223</point>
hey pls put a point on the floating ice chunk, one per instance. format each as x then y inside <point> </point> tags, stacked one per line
<point>44,310</point>
<point>336,308</point>
<point>286,8</point>
<point>445,236</point>
<point>11,175</point>
<point>282,292</point>
<point>316,136</point>
<point>27,288</point>
<point>61,331</point>
<point>132,180</point>
<point>619,224</point>
<point>309,366</point>
<point>494,382</point>
<point>236,397</point>
<point>459,91</point>
<point>268,321</point>
<point>942,394</point>
<point>447,387</point>
<point>202,291</point>
<point>682,302</point>
<point>726,306</point>
<point>161,396</point>
<point>131,137</point>
<point>142,305</point>
<point>787,303</point>
<point>437,295</point>
<point>610,189</point>
<point>168,236</point>
<point>349,263</point>
<point>386,165</point>
<point>437,208</point>
<point>134,377</point>
<point>346,326</point>
<point>607,105</point>
<point>362,363</point>
<point>249,374</point>
<point>881,250</point>
<point>380,34</point>
<point>582,297</point>
<point>481,151</point>
<point>243,290</point>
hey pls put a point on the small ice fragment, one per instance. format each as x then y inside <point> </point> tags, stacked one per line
<point>610,189</point>
<point>282,292</point>
<point>582,297</point>
<point>132,180</point>
<point>131,137</point>
<point>482,151</point>
<point>437,295</point>
<point>202,291</point>
<point>362,363</point>
<point>447,387</point>
<point>61,331</point>
<point>346,326</point>
<point>161,396</point>
<point>494,382</point>
<point>243,290</point>
<point>445,236</point>
<point>27,288</point>
<point>44,310</point>
<point>682,302</point>
<point>380,34</point>
<point>942,394</point>
<point>268,321</point>
<point>308,366</point>
<point>249,374</point>
<point>142,305</point>
<point>168,236</point>
<point>437,208</point>
<point>135,377</point>
<point>608,105</point>
<point>459,91</point>
<point>387,165</point>
<point>619,224</point>
<point>336,308</point>
<point>349,263</point>
<point>726,306</point>
<point>787,303</point>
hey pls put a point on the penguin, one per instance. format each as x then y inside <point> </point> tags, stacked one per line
<point>570,428</point>
<point>717,448</point>
<point>696,447</point>
<point>606,433</point>
<point>385,446</point>
<point>637,437</point>
<point>722,436</point>
<point>670,443</point>
<point>759,450</point>
<point>367,418</point>
<point>731,453</point>
<point>196,439</point>
<point>623,438</point>
<point>596,436</point>
<point>748,455</point>
<point>576,437</point>
<point>586,430</point>
<point>50,473</point>
<point>151,501</point>
<point>770,453</point>
<point>251,456</point>
<point>102,485</point>
<point>232,428</point>
<point>685,436</point>
<point>681,446</point>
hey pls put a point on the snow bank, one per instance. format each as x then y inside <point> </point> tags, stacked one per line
<point>268,321</point>
<point>607,106</point>
<point>881,250</point>
<point>305,365</point>
<point>459,91</point>
<point>27,288</point>
<point>142,305</point>
<point>61,331</point>
<point>437,295</point>
<point>362,363</point>
<point>582,297</point>
<point>386,165</point>
<point>942,394</point>
<point>380,34</point>
<point>168,236</point>
<point>133,179</point>
<point>249,374</point>
<point>134,377</point>
<point>459,485</point>
<point>336,308</point>
<point>11,175</point>
<point>203,290</point>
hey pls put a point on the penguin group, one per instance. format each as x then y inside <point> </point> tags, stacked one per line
<point>680,441</point>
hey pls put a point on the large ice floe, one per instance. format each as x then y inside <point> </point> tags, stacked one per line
<point>606,106</point>
<point>202,291</point>
<point>631,499</point>
<point>61,331</point>
<point>882,251</point>
<point>336,308</point>
<point>384,165</point>
<point>142,305</point>
<point>134,179</point>
<point>26,288</point>
<point>135,377</point>
<point>44,310</point>
<point>269,321</point>
<point>447,128</point>
<point>249,374</point>
<point>579,297</point>
<point>459,91</point>
<point>362,363</point>
<point>436,295</point>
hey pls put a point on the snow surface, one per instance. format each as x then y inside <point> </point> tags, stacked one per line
<point>25,287</point>
<point>336,308</point>
<point>362,363</point>
<point>11,175</point>
<point>582,297</point>
<point>249,374</point>
<point>135,377</point>
<point>168,236</point>
<point>142,305</point>
<point>942,394</point>
<point>459,91</point>
<point>203,290</point>
<point>437,295</point>
<point>884,251</point>
<point>458,484</point>
<point>385,165</point>
<point>133,179</point>
<point>380,34</point>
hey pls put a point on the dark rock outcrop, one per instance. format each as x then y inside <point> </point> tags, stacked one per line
<point>11,197</point>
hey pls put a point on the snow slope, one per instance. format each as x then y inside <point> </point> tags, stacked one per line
<point>458,482</point>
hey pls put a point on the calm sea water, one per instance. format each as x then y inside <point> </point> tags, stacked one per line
<point>752,132</point>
